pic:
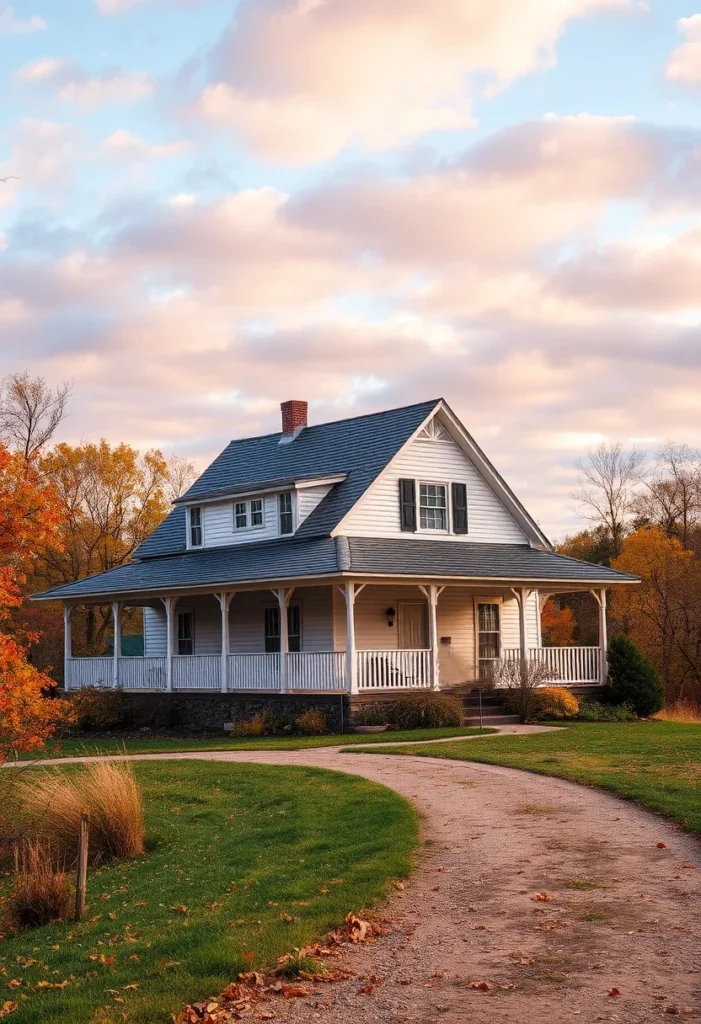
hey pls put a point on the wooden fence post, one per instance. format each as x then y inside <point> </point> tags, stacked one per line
<point>82,873</point>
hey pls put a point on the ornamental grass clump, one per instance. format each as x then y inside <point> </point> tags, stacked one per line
<point>107,791</point>
<point>41,892</point>
<point>312,723</point>
<point>425,711</point>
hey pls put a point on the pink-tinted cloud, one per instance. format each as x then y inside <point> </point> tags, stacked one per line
<point>13,25</point>
<point>684,64</point>
<point>73,84</point>
<point>300,80</point>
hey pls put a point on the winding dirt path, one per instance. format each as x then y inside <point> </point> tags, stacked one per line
<point>553,894</point>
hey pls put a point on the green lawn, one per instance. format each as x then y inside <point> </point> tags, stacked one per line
<point>245,862</point>
<point>658,764</point>
<point>114,745</point>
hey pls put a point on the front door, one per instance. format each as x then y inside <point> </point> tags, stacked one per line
<point>412,626</point>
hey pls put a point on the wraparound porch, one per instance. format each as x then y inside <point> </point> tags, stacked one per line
<point>352,637</point>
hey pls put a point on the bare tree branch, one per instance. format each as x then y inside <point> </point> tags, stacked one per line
<point>180,475</point>
<point>30,412</point>
<point>608,483</point>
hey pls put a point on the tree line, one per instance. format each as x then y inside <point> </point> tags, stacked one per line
<point>102,499</point>
<point>644,518</point>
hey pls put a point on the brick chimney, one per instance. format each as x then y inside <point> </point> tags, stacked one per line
<point>294,419</point>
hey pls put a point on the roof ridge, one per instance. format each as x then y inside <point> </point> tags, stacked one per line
<point>344,419</point>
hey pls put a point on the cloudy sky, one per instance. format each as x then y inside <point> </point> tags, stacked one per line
<point>364,203</point>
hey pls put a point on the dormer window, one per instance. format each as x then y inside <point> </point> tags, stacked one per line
<point>248,514</point>
<point>196,527</point>
<point>285,511</point>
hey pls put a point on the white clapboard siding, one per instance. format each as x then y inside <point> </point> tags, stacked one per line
<point>307,500</point>
<point>219,524</point>
<point>511,622</point>
<point>437,461</point>
<point>155,632</point>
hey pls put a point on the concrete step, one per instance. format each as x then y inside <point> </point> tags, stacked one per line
<point>491,719</point>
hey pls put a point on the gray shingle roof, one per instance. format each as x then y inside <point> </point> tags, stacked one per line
<point>413,557</point>
<point>361,447</point>
<point>324,556</point>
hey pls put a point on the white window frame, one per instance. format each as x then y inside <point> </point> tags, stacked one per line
<point>248,511</point>
<point>293,513</point>
<point>190,510</point>
<point>448,516</point>
<point>478,600</point>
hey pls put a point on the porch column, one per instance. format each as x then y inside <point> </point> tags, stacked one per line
<point>350,595</point>
<point>169,603</point>
<point>600,597</point>
<point>432,594</point>
<point>284,595</point>
<point>67,645</point>
<point>225,603</point>
<point>117,647</point>
<point>521,595</point>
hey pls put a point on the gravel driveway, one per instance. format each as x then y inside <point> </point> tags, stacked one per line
<point>559,901</point>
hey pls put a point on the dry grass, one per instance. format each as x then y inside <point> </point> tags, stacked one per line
<point>52,802</point>
<point>41,893</point>
<point>686,711</point>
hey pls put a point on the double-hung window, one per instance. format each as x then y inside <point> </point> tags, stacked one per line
<point>285,511</point>
<point>248,514</point>
<point>489,637</point>
<point>196,527</point>
<point>186,633</point>
<point>433,506</point>
<point>272,629</point>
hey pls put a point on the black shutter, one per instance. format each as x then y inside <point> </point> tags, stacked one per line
<point>459,508</point>
<point>407,504</point>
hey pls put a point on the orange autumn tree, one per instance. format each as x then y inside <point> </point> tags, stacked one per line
<point>557,624</point>
<point>662,615</point>
<point>28,517</point>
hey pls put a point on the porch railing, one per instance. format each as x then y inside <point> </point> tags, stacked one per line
<point>310,670</point>
<point>142,673</point>
<point>567,664</point>
<point>254,672</point>
<point>316,670</point>
<point>82,672</point>
<point>197,672</point>
<point>394,670</point>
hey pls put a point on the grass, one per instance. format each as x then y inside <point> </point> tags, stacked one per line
<point>114,745</point>
<point>657,764</point>
<point>244,863</point>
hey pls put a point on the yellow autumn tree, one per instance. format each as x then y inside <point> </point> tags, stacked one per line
<point>663,614</point>
<point>110,498</point>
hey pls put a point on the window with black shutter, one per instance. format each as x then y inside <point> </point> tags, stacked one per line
<point>459,497</point>
<point>407,505</point>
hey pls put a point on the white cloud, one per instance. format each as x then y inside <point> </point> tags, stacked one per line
<point>73,84</point>
<point>684,64</point>
<point>125,145</point>
<point>11,25</point>
<point>299,80</point>
<point>117,6</point>
<point>42,155</point>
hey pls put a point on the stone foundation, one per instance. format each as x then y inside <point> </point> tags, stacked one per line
<point>212,711</point>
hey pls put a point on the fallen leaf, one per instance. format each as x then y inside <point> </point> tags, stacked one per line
<point>542,897</point>
<point>180,909</point>
<point>293,992</point>
<point>614,992</point>
<point>661,846</point>
<point>480,986</point>
<point>399,885</point>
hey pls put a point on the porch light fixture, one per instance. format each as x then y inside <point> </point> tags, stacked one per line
<point>390,617</point>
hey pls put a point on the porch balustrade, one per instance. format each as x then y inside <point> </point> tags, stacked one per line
<point>565,664</point>
<point>310,671</point>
